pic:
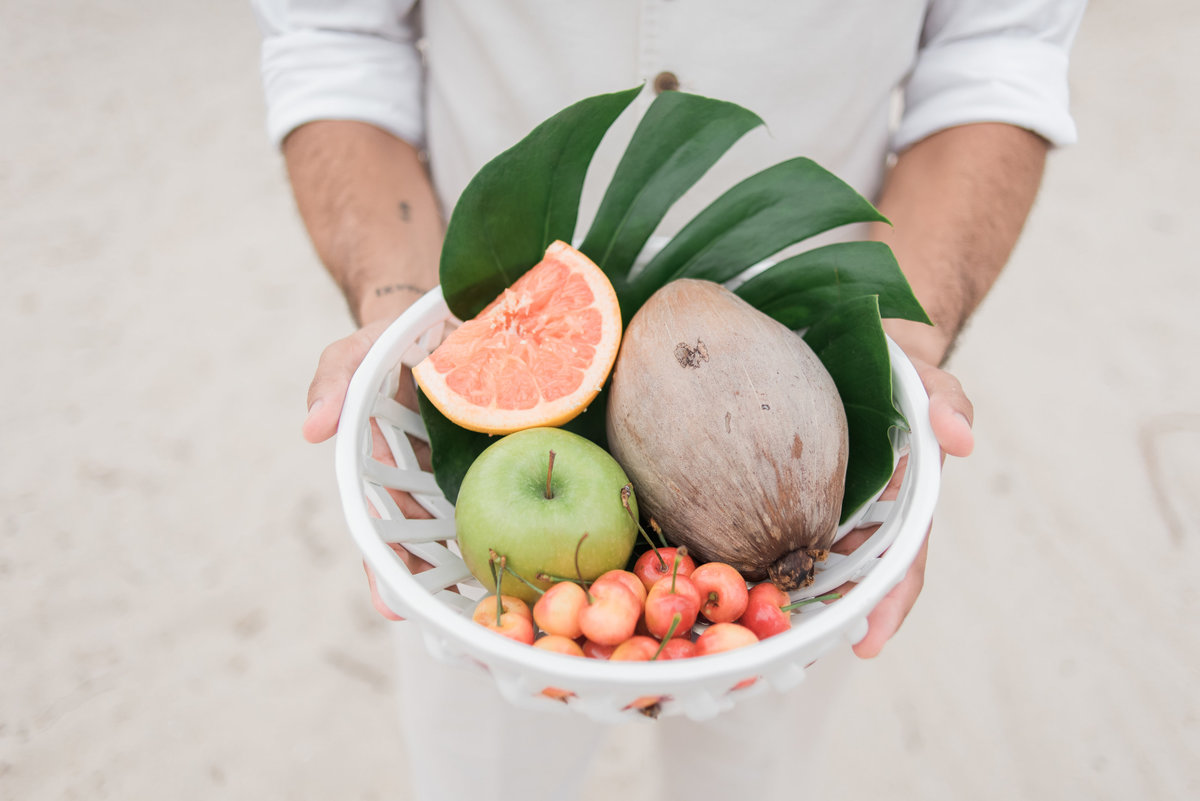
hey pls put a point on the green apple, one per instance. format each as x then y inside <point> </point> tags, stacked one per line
<point>503,506</point>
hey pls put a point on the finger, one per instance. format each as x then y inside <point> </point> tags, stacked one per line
<point>327,392</point>
<point>376,598</point>
<point>951,413</point>
<point>885,619</point>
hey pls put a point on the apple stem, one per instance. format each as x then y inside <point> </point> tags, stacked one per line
<point>676,619</point>
<point>549,470</point>
<point>626,491</point>
<point>832,596</point>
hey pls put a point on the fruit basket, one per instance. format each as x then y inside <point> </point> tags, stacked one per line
<point>439,600</point>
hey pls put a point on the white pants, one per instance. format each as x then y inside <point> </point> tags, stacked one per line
<point>464,742</point>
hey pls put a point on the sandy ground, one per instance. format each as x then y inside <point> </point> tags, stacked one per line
<point>184,616</point>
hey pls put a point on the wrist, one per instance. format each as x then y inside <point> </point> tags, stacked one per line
<point>929,343</point>
<point>384,300</point>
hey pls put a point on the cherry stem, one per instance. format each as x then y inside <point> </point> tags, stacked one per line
<point>543,576</point>
<point>579,545</point>
<point>832,596</point>
<point>679,554</point>
<point>579,572</point>
<point>497,576</point>
<point>549,470</point>
<point>657,530</point>
<point>626,491</point>
<point>524,581</point>
<point>676,619</point>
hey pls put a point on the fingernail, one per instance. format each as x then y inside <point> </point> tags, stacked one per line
<point>312,410</point>
<point>959,415</point>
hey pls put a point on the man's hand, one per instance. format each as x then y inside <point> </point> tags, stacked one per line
<point>951,416</point>
<point>327,394</point>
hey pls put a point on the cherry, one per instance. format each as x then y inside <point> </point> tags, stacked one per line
<point>764,614</point>
<point>670,596</point>
<point>722,591</point>
<point>768,611</point>
<point>658,561</point>
<point>677,648</point>
<point>654,565</point>
<point>558,644</point>
<point>611,614</point>
<point>724,637</point>
<point>624,577</point>
<point>511,617</point>
<point>636,649</point>
<point>557,611</point>
<point>594,650</point>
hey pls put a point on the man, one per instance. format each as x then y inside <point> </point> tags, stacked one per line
<point>385,109</point>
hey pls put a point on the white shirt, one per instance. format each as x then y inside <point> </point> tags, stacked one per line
<point>843,83</point>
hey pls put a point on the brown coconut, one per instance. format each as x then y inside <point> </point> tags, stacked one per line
<point>731,431</point>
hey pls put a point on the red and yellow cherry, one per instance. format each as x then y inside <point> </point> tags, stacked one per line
<point>670,596</point>
<point>636,649</point>
<point>655,564</point>
<point>594,650</point>
<point>768,609</point>
<point>764,614</point>
<point>677,648</point>
<point>627,579</point>
<point>611,613</point>
<point>723,637</point>
<point>557,610</point>
<point>558,644</point>
<point>723,592</point>
<point>511,618</point>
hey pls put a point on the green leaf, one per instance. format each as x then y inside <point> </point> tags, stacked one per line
<point>760,216</point>
<point>452,448</point>
<point>520,202</point>
<point>850,343</point>
<point>529,195</point>
<point>678,139</point>
<point>805,287</point>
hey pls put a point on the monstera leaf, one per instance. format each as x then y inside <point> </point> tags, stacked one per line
<point>528,196</point>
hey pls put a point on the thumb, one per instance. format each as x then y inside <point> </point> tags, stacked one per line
<point>335,368</point>
<point>951,413</point>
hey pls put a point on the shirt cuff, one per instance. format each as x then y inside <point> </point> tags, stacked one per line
<point>1021,82</point>
<point>322,75</point>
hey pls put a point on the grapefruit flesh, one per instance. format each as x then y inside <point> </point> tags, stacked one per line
<point>536,356</point>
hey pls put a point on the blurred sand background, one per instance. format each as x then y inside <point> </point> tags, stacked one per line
<point>183,614</point>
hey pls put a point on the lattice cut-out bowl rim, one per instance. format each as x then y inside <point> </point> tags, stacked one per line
<point>698,688</point>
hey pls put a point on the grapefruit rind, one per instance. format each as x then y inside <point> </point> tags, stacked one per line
<point>535,356</point>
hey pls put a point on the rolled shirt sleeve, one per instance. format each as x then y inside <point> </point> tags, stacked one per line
<point>351,60</point>
<point>992,61</point>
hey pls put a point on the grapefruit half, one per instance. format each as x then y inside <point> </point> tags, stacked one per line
<point>536,356</point>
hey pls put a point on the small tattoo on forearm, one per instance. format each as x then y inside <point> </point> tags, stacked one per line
<point>405,211</point>
<point>392,289</point>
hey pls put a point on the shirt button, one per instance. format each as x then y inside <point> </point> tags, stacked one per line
<point>665,82</point>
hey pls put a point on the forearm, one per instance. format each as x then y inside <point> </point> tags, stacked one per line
<point>369,207</point>
<point>957,202</point>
